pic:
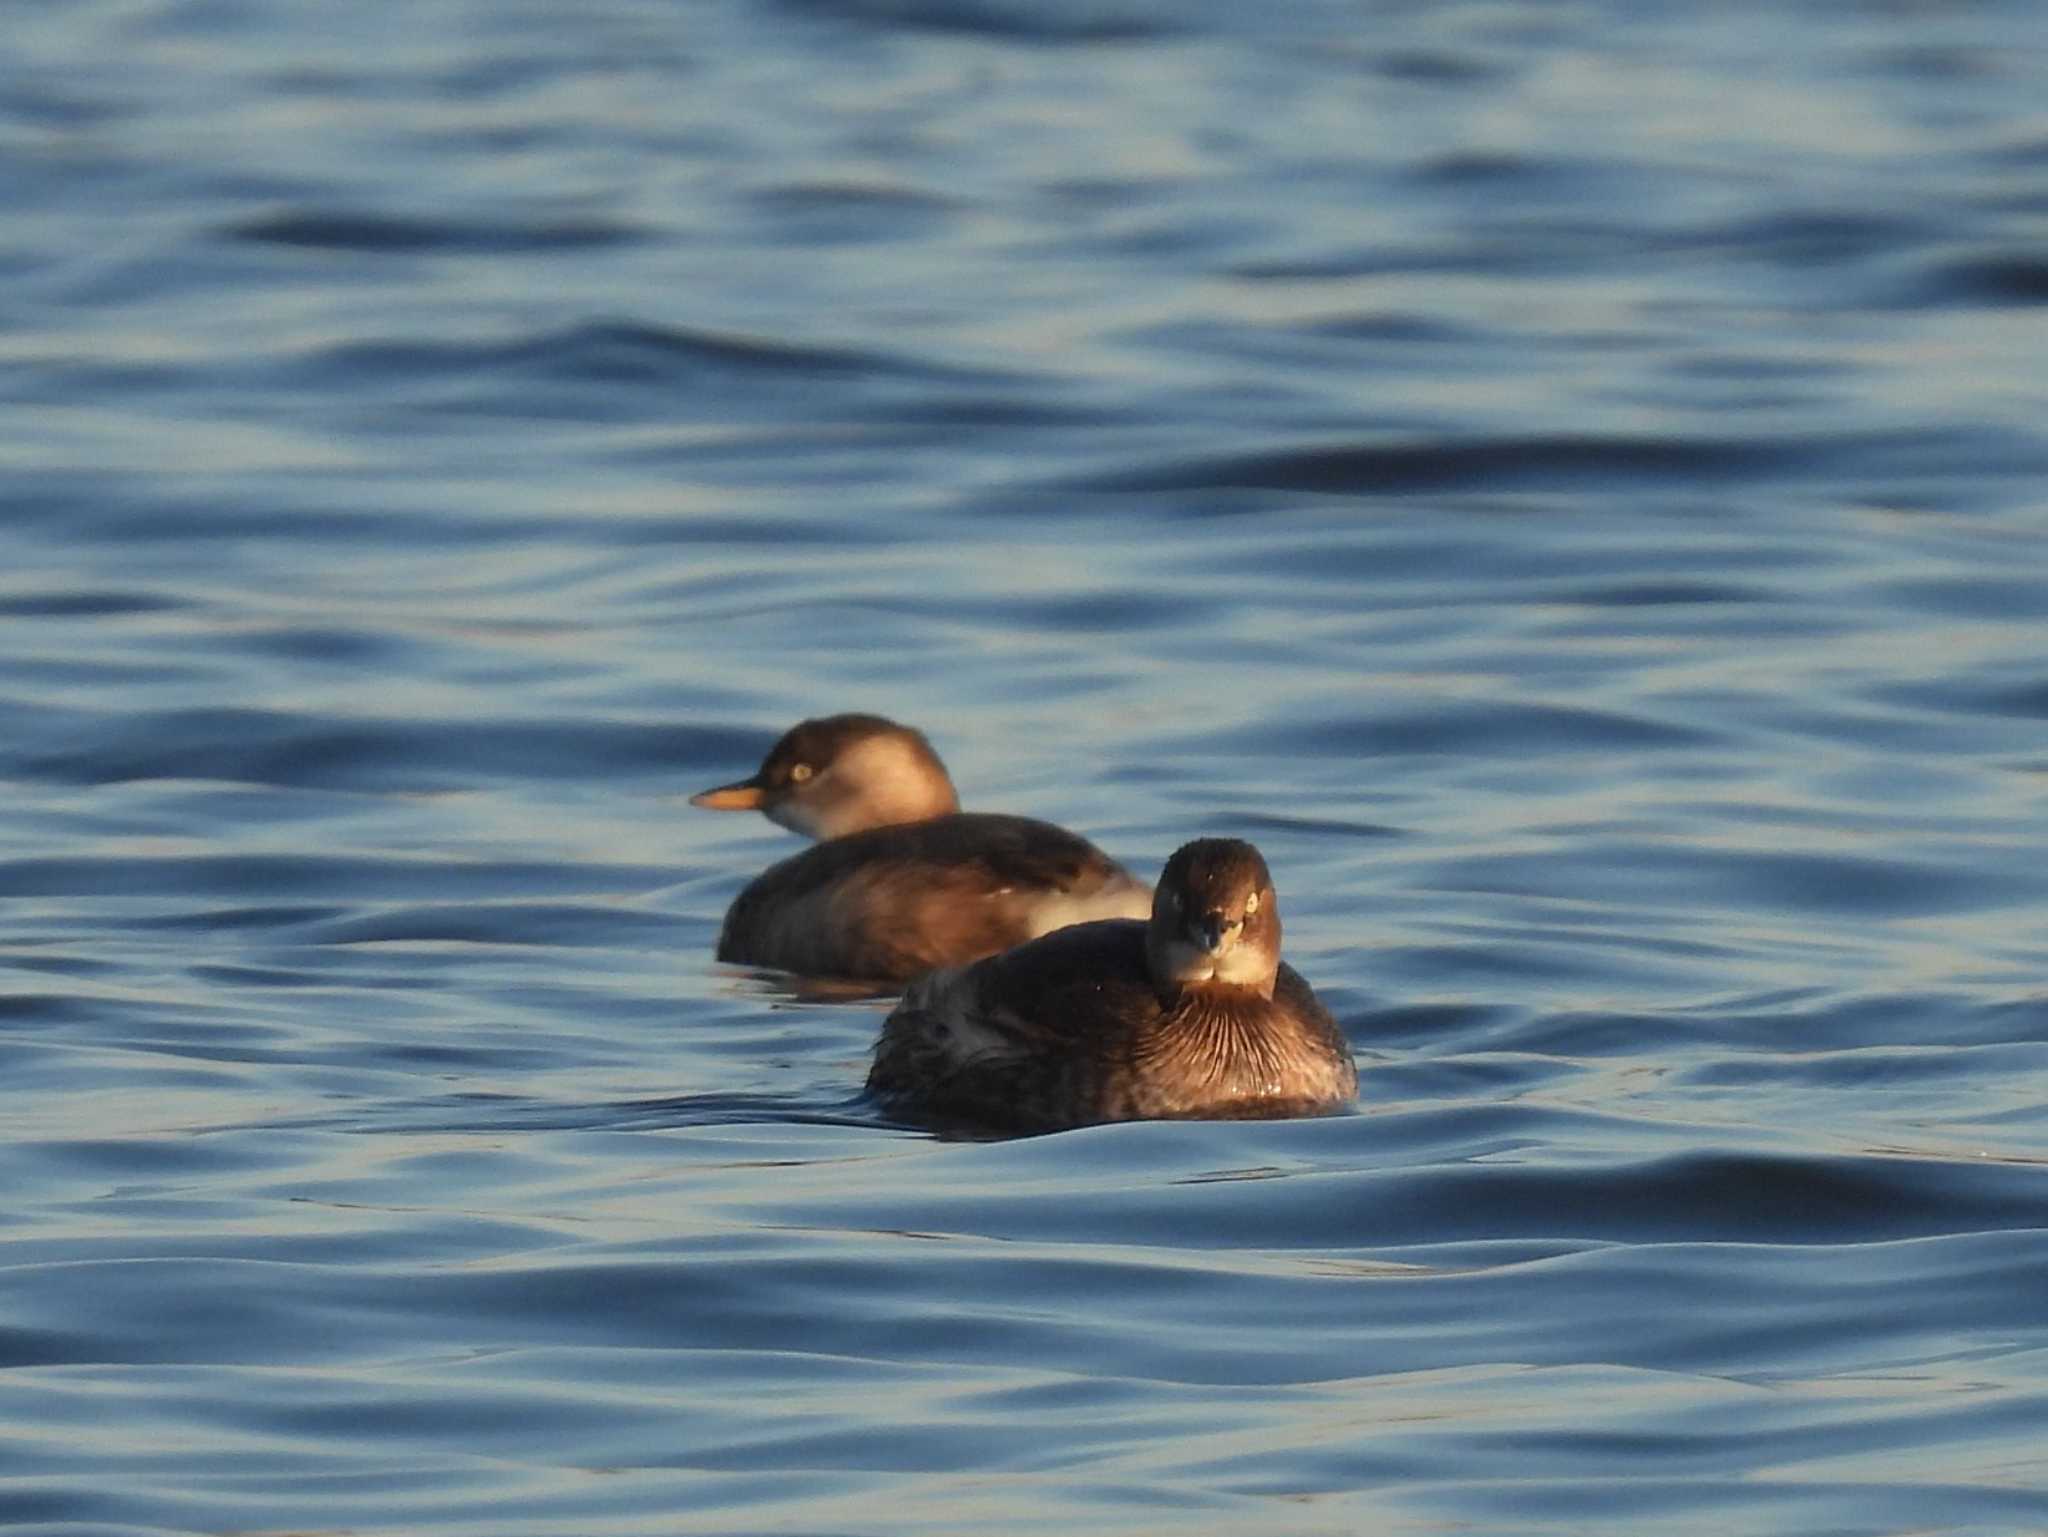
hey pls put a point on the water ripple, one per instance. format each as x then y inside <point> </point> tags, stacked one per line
<point>335,230</point>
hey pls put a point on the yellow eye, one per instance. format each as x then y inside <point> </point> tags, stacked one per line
<point>1251,904</point>
<point>800,773</point>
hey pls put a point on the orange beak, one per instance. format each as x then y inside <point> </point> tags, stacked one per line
<point>742,795</point>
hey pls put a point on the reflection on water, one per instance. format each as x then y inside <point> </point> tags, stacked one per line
<point>1566,483</point>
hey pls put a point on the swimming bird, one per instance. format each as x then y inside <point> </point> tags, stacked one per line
<point>903,880</point>
<point>1191,1013</point>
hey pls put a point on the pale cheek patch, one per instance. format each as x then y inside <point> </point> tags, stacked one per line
<point>1244,965</point>
<point>879,782</point>
<point>795,817</point>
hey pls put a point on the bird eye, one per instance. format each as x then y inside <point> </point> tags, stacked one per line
<point>800,773</point>
<point>1251,904</point>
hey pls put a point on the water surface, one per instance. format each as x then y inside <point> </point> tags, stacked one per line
<point>1566,481</point>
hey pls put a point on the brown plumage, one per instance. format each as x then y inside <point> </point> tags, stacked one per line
<point>904,881</point>
<point>1191,1013</point>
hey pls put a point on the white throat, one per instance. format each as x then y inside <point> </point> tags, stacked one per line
<point>1177,961</point>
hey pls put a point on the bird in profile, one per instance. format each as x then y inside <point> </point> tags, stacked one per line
<point>902,880</point>
<point>1190,1013</point>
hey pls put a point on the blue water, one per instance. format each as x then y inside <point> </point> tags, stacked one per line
<point>1566,480</point>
